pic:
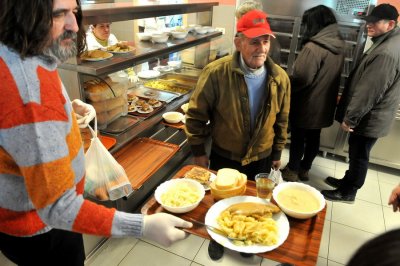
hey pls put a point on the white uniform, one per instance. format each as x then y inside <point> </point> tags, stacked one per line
<point>93,44</point>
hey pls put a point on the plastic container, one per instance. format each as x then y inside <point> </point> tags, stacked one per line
<point>108,98</point>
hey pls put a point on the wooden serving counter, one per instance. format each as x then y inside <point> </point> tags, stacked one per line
<point>300,248</point>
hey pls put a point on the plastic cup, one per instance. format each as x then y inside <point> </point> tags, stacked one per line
<point>264,185</point>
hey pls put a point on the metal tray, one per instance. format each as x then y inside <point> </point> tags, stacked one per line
<point>180,79</point>
<point>164,96</point>
<point>180,88</point>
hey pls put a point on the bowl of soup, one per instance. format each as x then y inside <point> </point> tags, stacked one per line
<point>298,200</point>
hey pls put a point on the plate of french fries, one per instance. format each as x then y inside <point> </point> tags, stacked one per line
<point>259,225</point>
<point>120,48</point>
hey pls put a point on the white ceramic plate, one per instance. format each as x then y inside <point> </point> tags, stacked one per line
<point>163,68</point>
<point>107,56</point>
<point>212,178</point>
<point>158,104</point>
<point>145,112</point>
<point>217,208</point>
<point>149,74</point>
<point>132,108</point>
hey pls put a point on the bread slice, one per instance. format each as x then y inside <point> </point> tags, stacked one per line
<point>227,178</point>
<point>199,174</point>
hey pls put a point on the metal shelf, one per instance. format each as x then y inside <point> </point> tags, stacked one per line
<point>98,13</point>
<point>144,52</point>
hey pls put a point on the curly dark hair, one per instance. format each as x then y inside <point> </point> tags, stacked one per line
<point>26,26</point>
<point>314,20</point>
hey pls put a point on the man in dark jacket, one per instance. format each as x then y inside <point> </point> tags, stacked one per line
<point>369,101</point>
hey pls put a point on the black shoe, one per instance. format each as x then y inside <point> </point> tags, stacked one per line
<point>289,174</point>
<point>303,174</point>
<point>333,182</point>
<point>246,255</point>
<point>215,250</point>
<point>337,195</point>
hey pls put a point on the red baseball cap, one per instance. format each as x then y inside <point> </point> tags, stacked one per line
<point>254,24</point>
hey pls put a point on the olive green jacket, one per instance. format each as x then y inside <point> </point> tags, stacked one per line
<point>221,97</point>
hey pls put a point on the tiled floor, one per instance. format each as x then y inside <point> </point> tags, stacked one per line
<point>346,227</point>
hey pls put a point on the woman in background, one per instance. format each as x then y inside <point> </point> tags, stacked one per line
<point>315,85</point>
<point>100,36</point>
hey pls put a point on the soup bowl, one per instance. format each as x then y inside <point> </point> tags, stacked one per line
<point>298,200</point>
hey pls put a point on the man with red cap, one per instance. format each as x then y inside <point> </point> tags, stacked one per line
<point>369,101</point>
<point>246,98</point>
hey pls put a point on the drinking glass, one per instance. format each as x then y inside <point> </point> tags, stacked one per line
<point>264,185</point>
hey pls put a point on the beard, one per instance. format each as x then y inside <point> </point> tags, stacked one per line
<point>62,52</point>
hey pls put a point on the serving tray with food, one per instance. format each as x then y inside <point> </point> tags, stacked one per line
<point>305,235</point>
<point>170,86</point>
<point>144,107</point>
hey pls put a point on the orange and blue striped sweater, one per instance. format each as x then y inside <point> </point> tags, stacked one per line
<point>42,170</point>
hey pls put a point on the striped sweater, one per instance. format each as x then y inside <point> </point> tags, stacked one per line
<point>41,157</point>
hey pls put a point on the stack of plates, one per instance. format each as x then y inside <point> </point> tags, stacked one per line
<point>149,74</point>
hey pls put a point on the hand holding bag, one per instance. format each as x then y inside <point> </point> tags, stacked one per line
<point>105,177</point>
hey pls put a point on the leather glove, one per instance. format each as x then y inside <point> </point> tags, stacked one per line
<point>84,112</point>
<point>161,227</point>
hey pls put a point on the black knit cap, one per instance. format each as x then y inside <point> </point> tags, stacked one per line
<point>383,11</point>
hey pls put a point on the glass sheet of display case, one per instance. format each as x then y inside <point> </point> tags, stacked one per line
<point>145,92</point>
<point>121,124</point>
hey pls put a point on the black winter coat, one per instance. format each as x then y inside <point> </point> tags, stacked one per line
<point>316,79</point>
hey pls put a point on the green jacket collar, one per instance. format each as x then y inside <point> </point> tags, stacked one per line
<point>270,66</point>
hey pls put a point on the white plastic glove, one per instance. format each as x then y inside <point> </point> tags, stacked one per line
<point>161,227</point>
<point>84,112</point>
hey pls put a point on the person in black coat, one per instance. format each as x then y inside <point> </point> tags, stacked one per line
<point>315,85</point>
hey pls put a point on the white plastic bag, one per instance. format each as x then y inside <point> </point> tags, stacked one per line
<point>276,176</point>
<point>105,177</point>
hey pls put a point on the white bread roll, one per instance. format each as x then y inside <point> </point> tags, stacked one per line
<point>227,178</point>
<point>96,90</point>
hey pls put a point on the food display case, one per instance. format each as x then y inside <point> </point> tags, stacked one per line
<point>150,151</point>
